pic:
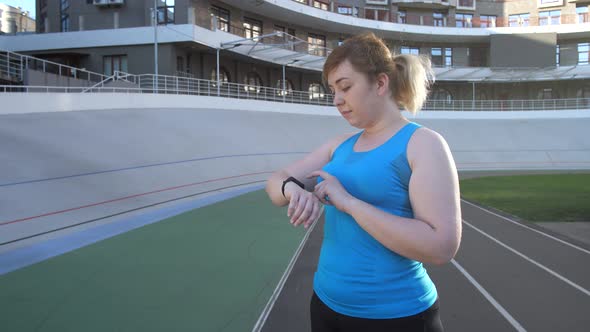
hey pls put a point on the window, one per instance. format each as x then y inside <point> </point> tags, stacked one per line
<point>316,44</point>
<point>223,76</point>
<point>252,28</point>
<point>550,17</point>
<point>582,13</point>
<point>487,21</point>
<point>402,16</point>
<point>441,94</point>
<point>112,63</point>
<point>344,10</point>
<point>466,3</point>
<point>549,2</point>
<point>557,55</point>
<point>166,12</point>
<point>547,93</point>
<point>376,14</point>
<point>179,64</point>
<point>65,22</point>
<point>448,57</point>
<point>438,19</point>
<point>463,20</point>
<point>316,91</point>
<point>583,92</point>
<point>410,50</point>
<point>286,90</point>
<point>320,5</point>
<point>252,82</point>
<point>222,17</point>
<point>519,20</point>
<point>436,56</point>
<point>583,51</point>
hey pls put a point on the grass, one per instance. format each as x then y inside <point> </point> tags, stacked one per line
<point>554,197</point>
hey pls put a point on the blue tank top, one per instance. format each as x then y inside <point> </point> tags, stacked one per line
<point>356,275</point>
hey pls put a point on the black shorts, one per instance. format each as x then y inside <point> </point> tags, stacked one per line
<point>324,319</point>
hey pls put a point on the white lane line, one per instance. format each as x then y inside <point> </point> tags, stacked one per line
<point>489,297</point>
<point>555,274</point>
<point>529,228</point>
<point>275,295</point>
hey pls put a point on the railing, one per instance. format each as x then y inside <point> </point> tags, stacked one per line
<point>14,65</point>
<point>186,86</point>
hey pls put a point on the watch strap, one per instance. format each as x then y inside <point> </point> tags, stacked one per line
<point>294,180</point>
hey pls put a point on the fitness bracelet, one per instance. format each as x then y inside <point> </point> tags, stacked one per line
<point>294,180</point>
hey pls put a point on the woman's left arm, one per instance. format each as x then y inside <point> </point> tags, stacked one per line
<point>433,236</point>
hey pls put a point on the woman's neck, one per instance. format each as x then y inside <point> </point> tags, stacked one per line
<point>392,119</point>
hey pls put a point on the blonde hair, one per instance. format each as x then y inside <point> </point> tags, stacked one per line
<point>410,76</point>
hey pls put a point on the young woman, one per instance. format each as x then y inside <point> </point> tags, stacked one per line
<point>391,194</point>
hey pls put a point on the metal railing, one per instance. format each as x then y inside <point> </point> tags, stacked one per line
<point>173,85</point>
<point>14,65</point>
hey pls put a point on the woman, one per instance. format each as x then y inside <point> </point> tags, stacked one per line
<point>391,194</point>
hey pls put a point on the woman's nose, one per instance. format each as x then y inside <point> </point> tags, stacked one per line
<point>337,99</point>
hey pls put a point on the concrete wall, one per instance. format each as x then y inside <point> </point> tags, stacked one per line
<point>520,50</point>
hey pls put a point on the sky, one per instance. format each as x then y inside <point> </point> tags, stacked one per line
<point>27,5</point>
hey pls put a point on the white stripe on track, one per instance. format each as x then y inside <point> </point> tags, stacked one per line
<point>555,274</point>
<point>489,297</point>
<point>275,295</point>
<point>530,228</point>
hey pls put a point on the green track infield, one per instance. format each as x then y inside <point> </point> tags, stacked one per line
<point>551,197</point>
<point>210,269</point>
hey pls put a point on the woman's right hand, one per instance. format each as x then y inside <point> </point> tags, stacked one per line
<point>304,206</point>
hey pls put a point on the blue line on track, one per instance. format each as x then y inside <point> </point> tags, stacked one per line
<point>35,253</point>
<point>146,166</point>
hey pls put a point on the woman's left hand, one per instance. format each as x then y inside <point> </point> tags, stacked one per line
<point>330,191</point>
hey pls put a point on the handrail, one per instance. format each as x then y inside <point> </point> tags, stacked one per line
<point>16,64</point>
<point>183,86</point>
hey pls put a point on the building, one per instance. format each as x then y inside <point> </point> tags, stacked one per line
<point>482,49</point>
<point>15,20</point>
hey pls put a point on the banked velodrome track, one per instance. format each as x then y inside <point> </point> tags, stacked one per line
<point>83,159</point>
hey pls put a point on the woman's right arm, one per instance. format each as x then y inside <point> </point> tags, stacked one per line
<point>304,207</point>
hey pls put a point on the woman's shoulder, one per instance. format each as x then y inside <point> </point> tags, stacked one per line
<point>426,143</point>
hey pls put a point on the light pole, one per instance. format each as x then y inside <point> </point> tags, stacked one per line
<point>156,46</point>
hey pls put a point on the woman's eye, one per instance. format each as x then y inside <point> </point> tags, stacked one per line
<point>345,89</point>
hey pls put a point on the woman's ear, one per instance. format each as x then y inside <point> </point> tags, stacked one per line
<point>382,84</point>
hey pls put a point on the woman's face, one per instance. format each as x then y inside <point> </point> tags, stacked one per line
<point>354,95</point>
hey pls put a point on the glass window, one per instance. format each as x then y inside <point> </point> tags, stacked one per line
<point>402,16</point>
<point>222,16</point>
<point>547,93</point>
<point>436,56</point>
<point>557,55</point>
<point>316,91</point>
<point>519,20</point>
<point>112,63</point>
<point>65,22</point>
<point>252,82</point>
<point>223,76</point>
<point>582,13</point>
<point>316,44</point>
<point>463,20</point>
<point>284,90</point>
<point>448,57</point>
<point>252,28</point>
<point>441,94</point>
<point>550,17</point>
<point>583,51</point>
<point>466,3</point>
<point>410,50</point>
<point>344,10</point>
<point>438,19</point>
<point>487,21</point>
<point>165,11</point>
<point>321,5</point>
